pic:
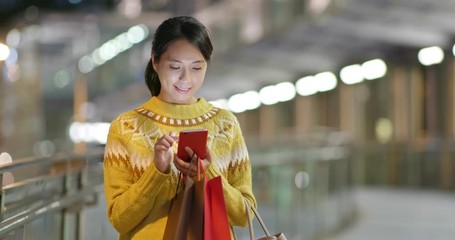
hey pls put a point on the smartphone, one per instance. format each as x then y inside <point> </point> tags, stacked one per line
<point>194,139</point>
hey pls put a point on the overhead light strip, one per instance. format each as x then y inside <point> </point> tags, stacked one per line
<point>112,48</point>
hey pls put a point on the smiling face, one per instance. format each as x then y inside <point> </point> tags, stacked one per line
<point>181,70</point>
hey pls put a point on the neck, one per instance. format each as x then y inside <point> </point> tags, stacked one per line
<point>171,101</point>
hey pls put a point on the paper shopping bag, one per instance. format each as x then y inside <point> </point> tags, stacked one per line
<point>185,217</point>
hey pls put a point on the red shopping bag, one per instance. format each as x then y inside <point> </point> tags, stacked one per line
<point>216,224</point>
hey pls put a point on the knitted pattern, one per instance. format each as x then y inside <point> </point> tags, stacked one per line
<point>138,195</point>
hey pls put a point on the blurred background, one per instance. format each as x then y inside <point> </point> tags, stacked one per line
<point>347,108</point>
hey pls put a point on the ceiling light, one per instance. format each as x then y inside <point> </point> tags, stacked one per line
<point>12,57</point>
<point>326,81</point>
<point>251,100</point>
<point>318,6</point>
<point>306,86</point>
<point>285,91</point>
<point>108,51</point>
<point>130,8</point>
<point>85,64</point>
<point>220,103</point>
<point>4,52</point>
<point>268,95</point>
<point>13,38</point>
<point>351,74</point>
<point>113,47</point>
<point>374,69</point>
<point>430,55</point>
<point>236,104</point>
<point>62,78</point>
<point>89,132</point>
<point>137,33</point>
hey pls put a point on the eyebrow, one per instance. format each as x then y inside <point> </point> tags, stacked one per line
<point>178,61</point>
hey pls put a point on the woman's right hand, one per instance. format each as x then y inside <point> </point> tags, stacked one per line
<point>164,152</point>
<point>190,168</point>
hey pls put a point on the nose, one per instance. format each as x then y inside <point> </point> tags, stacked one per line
<point>184,75</point>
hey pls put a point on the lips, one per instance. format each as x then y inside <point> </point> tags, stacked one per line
<point>183,90</point>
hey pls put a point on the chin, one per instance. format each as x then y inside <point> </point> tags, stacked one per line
<point>183,101</point>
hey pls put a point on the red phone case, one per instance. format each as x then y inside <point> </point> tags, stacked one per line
<point>195,139</point>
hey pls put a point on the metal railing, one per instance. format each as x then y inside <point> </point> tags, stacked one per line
<point>47,195</point>
<point>303,183</point>
<point>303,187</point>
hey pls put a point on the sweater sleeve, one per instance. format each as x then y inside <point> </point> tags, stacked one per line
<point>128,202</point>
<point>237,181</point>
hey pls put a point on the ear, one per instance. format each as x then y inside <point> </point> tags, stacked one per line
<point>154,62</point>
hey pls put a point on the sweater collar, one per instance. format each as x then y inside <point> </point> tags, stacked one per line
<point>178,111</point>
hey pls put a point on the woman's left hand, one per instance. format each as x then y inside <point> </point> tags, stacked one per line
<point>190,168</point>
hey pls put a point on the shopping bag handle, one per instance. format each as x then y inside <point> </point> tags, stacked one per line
<point>200,167</point>
<point>250,223</point>
<point>183,178</point>
<point>248,215</point>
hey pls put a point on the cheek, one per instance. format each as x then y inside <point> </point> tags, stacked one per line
<point>166,76</point>
<point>199,76</point>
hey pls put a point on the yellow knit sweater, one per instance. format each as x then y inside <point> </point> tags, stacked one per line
<point>138,195</point>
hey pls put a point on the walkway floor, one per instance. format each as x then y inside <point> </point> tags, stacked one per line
<point>402,214</point>
<point>383,213</point>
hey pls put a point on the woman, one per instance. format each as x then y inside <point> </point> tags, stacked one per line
<point>140,165</point>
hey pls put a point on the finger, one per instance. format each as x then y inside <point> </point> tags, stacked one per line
<point>189,151</point>
<point>173,136</point>
<point>163,142</point>
<point>181,165</point>
<point>178,161</point>
<point>161,147</point>
<point>179,168</point>
<point>169,140</point>
<point>192,169</point>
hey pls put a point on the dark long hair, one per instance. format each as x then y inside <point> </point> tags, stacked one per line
<point>181,27</point>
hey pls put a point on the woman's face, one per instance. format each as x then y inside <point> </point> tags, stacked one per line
<point>181,70</point>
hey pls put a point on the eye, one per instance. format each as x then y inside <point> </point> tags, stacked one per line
<point>197,67</point>
<point>174,67</point>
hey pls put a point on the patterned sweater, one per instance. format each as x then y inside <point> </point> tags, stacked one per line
<point>138,195</point>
